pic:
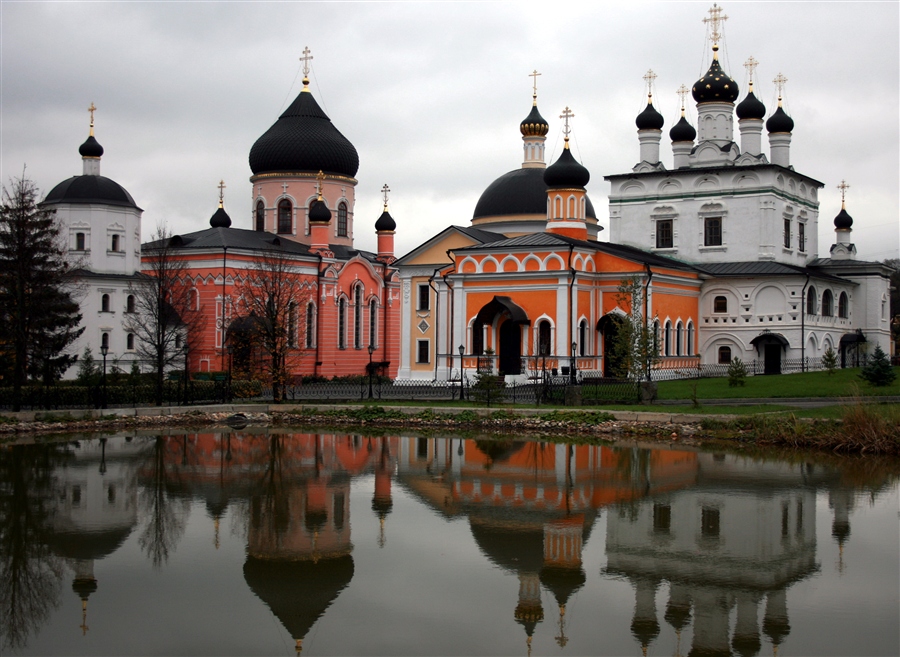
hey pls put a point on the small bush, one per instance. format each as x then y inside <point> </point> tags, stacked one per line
<point>737,373</point>
<point>829,361</point>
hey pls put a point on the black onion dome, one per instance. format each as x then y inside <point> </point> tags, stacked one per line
<point>91,148</point>
<point>682,131</point>
<point>304,139</point>
<point>715,86</point>
<point>90,189</point>
<point>534,124</point>
<point>843,220</point>
<point>566,172</point>
<point>780,121</point>
<point>750,108</point>
<point>319,212</point>
<point>385,222</point>
<point>522,191</point>
<point>220,219</point>
<point>649,119</point>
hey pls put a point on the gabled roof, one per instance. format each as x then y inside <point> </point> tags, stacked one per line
<point>766,268</point>
<point>476,234</point>
<point>552,240</point>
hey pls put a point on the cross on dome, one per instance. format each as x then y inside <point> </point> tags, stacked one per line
<point>534,74</point>
<point>715,22</point>
<point>843,187</point>
<point>385,190</point>
<point>780,81</point>
<point>649,77</point>
<point>221,193</point>
<point>682,92</point>
<point>320,178</point>
<point>566,115</point>
<point>306,58</point>
<point>92,109</point>
<point>751,65</point>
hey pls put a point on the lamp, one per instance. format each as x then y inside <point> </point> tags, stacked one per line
<point>462,350</point>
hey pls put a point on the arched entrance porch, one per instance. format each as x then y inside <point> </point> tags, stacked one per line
<point>507,318</point>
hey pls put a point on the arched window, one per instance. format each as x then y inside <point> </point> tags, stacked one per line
<point>811,301</point>
<point>342,323</point>
<point>310,325</point>
<point>544,338</point>
<point>689,350</point>
<point>656,336</point>
<point>827,304</point>
<point>129,342</point>
<point>292,324</point>
<point>373,323</point>
<point>79,241</point>
<point>724,355</point>
<point>104,340</point>
<point>667,339</point>
<point>342,220</point>
<point>104,303</point>
<point>678,339</point>
<point>129,303</point>
<point>843,306</point>
<point>720,304</point>
<point>260,216</point>
<point>285,212</point>
<point>357,316</point>
<point>583,338</point>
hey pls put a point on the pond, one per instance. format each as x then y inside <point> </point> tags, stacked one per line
<point>264,543</point>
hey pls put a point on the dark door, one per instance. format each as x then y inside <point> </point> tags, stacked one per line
<point>510,348</point>
<point>773,359</point>
<point>610,360</point>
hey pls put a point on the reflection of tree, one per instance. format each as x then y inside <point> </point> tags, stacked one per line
<point>272,501</point>
<point>30,575</point>
<point>165,515</point>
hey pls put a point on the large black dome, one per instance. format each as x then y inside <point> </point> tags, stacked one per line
<point>715,86</point>
<point>522,191</point>
<point>303,139</point>
<point>90,189</point>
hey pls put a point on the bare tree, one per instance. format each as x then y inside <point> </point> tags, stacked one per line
<point>274,296</point>
<point>166,316</point>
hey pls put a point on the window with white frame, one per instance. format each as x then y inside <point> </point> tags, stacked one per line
<point>423,351</point>
<point>424,296</point>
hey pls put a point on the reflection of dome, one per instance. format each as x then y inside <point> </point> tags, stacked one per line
<point>90,189</point>
<point>522,191</point>
<point>87,545</point>
<point>304,139</point>
<point>518,548</point>
<point>298,592</point>
<point>563,582</point>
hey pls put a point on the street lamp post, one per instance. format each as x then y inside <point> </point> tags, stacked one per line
<point>462,350</point>
<point>572,367</point>
<point>371,351</point>
<point>187,374</point>
<point>104,350</point>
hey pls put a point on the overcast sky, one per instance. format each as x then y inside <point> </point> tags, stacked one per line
<point>431,95</point>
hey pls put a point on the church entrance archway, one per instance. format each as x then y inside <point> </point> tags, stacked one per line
<point>510,353</point>
<point>609,326</point>
<point>772,359</point>
<point>773,344</point>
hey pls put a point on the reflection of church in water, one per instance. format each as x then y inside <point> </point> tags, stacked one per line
<point>724,535</point>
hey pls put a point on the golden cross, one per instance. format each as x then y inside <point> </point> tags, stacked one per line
<point>715,21</point>
<point>649,77</point>
<point>751,65</point>
<point>683,91</point>
<point>221,192</point>
<point>843,187</point>
<point>306,59</point>
<point>566,115</point>
<point>319,180</point>
<point>534,75</point>
<point>384,192</point>
<point>780,81</point>
<point>92,109</point>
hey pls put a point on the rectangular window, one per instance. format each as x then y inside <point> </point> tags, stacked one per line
<point>787,233</point>
<point>79,241</point>
<point>115,244</point>
<point>664,238</point>
<point>712,235</point>
<point>709,522</point>
<point>423,351</point>
<point>424,296</point>
<point>662,518</point>
<point>801,237</point>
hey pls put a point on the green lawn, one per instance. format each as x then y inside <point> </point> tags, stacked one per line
<point>843,383</point>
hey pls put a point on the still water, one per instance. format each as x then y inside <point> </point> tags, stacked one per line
<point>332,544</point>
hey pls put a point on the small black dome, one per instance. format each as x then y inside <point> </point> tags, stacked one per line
<point>91,148</point>
<point>304,139</point>
<point>566,172</point>
<point>319,212</point>
<point>750,108</point>
<point>385,222</point>
<point>682,131</point>
<point>715,86</point>
<point>534,124</point>
<point>843,221</point>
<point>649,119</point>
<point>220,219</point>
<point>90,189</point>
<point>780,121</point>
<point>521,191</point>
